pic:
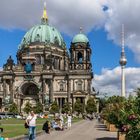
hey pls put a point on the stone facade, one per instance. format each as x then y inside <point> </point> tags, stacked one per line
<point>46,72</point>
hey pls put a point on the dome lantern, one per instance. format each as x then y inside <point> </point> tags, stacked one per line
<point>80,38</point>
<point>44,18</point>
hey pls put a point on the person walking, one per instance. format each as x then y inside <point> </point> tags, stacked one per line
<point>69,120</point>
<point>31,121</point>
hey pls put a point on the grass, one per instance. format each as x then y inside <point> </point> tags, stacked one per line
<point>15,127</point>
<point>18,121</point>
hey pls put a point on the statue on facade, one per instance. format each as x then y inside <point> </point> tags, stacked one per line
<point>7,99</point>
<point>46,100</point>
<point>9,64</point>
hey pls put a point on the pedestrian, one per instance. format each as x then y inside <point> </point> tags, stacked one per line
<point>31,121</point>
<point>69,120</point>
<point>61,122</point>
<point>46,127</point>
<point>99,118</point>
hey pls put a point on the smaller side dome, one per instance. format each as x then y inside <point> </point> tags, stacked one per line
<point>80,38</point>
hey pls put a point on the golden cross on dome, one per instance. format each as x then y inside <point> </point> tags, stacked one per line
<point>44,16</point>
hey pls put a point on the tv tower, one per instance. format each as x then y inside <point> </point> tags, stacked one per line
<point>122,62</point>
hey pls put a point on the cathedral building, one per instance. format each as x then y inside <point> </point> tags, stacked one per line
<point>46,71</point>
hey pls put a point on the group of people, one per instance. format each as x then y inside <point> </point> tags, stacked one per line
<point>58,124</point>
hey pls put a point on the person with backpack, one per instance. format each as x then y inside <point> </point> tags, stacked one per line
<point>31,121</point>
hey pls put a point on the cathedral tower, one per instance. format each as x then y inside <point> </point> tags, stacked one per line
<point>80,53</point>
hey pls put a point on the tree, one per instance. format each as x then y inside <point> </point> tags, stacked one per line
<point>38,108</point>
<point>27,108</point>
<point>54,108</point>
<point>137,100</point>
<point>13,108</point>
<point>102,104</point>
<point>115,99</point>
<point>66,108</point>
<point>78,106</point>
<point>91,106</point>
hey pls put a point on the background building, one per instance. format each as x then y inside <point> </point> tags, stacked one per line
<point>46,71</point>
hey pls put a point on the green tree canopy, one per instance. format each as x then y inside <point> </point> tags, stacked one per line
<point>137,100</point>
<point>13,108</point>
<point>78,106</point>
<point>91,106</point>
<point>66,108</point>
<point>38,108</point>
<point>102,104</point>
<point>115,99</point>
<point>54,108</point>
<point>27,108</point>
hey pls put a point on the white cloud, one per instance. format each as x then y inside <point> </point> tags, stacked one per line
<point>110,81</point>
<point>124,12</point>
<point>68,15</point>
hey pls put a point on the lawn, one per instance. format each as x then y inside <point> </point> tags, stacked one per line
<point>15,127</point>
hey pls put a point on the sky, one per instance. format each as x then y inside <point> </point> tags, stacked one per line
<point>101,21</point>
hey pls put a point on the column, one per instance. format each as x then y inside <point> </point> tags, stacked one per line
<point>44,91</point>
<point>11,90</point>
<point>61,104</point>
<point>59,63</point>
<point>4,88</point>
<point>73,86</point>
<point>57,101</point>
<point>88,86</point>
<point>84,84</point>
<point>69,90</point>
<point>51,91</point>
<point>74,100</point>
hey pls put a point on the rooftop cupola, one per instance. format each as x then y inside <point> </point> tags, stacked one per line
<point>44,18</point>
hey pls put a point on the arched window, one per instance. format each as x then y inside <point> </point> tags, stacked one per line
<point>80,57</point>
<point>88,56</point>
<point>61,87</point>
<point>55,63</point>
<point>79,85</point>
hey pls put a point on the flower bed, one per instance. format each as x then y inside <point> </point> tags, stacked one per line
<point>125,115</point>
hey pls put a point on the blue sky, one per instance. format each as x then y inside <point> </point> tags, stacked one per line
<point>105,53</point>
<point>102,27</point>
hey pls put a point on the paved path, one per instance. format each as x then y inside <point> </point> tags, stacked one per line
<point>83,130</point>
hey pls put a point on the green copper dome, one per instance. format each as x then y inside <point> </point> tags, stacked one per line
<point>42,33</point>
<point>80,38</point>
